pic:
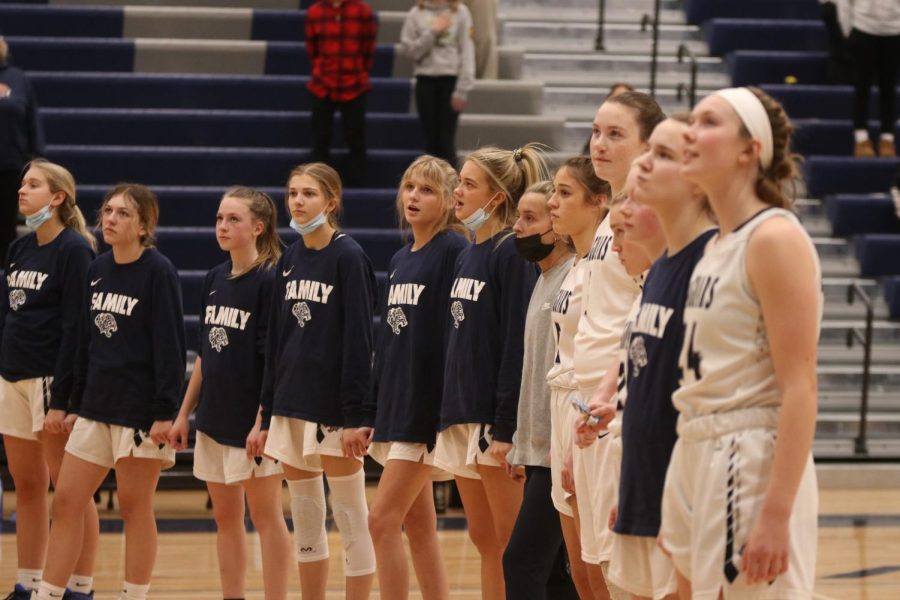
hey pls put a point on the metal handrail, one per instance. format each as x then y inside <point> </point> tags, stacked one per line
<point>853,334</point>
<point>601,18</point>
<point>654,55</point>
<point>683,50</point>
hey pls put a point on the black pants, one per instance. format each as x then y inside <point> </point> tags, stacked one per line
<point>353,122</point>
<point>535,564</point>
<point>10,182</point>
<point>875,57</point>
<point>438,118</point>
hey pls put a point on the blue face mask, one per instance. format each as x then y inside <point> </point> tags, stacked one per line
<point>310,226</point>
<point>478,218</point>
<point>39,218</point>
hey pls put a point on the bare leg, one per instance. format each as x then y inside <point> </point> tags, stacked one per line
<point>136,480</point>
<point>421,530</point>
<point>483,534</point>
<point>264,497</point>
<point>594,572</point>
<point>29,473</point>
<point>573,548</point>
<point>231,539</point>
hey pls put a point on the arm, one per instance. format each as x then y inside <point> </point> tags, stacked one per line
<point>465,81</point>
<point>792,329</point>
<point>73,270</point>
<point>267,395</point>
<point>518,279</point>
<point>414,43</point>
<point>256,439</point>
<point>82,352</point>
<point>167,322</point>
<point>178,435</point>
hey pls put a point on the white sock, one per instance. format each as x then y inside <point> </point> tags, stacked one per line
<point>133,591</point>
<point>29,578</point>
<point>46,591</point>
<point>887,137</point>
<point>861,135</point>
<point>81,583</point>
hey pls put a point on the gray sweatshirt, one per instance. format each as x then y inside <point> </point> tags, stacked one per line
<point>450,53</point>
<point>532,438</point>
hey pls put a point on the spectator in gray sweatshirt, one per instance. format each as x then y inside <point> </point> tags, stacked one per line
<point>437,35</point>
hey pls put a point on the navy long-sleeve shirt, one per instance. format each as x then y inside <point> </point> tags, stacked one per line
<point>319,349</point>
<point>130,366</point>
<point>234,319</point>
<point>21,134</point>
<point>488,301</point>
<point>408,377</point>
<point>41,306</point>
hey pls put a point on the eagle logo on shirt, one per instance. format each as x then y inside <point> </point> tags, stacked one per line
<point>106,323</point>
<point>301,311</point>
<point>218,338</point>
<point>637,354</point>
<point>456,311</point>
<point>396,319</point>
<point>16,299</point>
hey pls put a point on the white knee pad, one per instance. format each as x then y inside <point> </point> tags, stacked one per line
<point>351,515</point>
<point>308,513</point>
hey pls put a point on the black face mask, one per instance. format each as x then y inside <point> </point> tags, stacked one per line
<point>532,249</point>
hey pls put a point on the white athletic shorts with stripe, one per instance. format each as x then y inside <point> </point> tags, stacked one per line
<point>23,405</point>
<point>639,566</point>
<point>299,444</point>
<point>104,444</point>
<point>461,448</point>
<point>381,452</point>
<point>562,422</point>
<point>714,489</point>
<point>218,463</point>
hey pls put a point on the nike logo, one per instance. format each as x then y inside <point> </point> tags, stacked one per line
<point>288,272</point>
<point>95,281</point>
<point>52,595</point>
<point>392,275</point>
<point>81,585</point>
<point>212,292</point>
<point>11,265</point>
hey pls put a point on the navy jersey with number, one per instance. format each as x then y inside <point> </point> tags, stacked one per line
<point>41,307</point>
<point>130,365</point>
<point>652,374</point>
<point>409,357</point>
<point>488,302</point>
<point>319,348</point>
<point>234,316</point>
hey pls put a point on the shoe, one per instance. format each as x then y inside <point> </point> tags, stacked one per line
<point>887,149</point>
<point>864,149</point>
<point>19,593</point>
<point>70,595</point>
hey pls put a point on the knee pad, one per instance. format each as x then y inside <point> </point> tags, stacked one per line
<point>351,515</point>
<point>308,514</point>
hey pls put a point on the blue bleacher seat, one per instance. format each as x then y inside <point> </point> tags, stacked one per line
<point>828,136</point>
<point>64,21</point>
<point>820,101</point>
<point>852,214</point>
<point>726,35</point>
<point>847,175</point>
<point>290,58</point>
<point>878,254</point>
<point>752,67</point>
<point>698,11</point>
<point>180,127</point>
<point>223,92</point>
<point>892,295</point>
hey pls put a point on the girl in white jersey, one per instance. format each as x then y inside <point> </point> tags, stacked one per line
<point>620,131</point>
<point>577,207</point>
<point>740,500</point>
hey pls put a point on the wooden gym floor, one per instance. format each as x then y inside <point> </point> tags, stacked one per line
<point>858,559</point>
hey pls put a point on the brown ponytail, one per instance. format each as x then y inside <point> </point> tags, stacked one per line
<point>772,183</point>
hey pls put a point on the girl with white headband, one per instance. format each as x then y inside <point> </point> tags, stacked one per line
<point>740,501</point>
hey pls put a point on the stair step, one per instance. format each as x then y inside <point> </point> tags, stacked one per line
<point>601,70</point>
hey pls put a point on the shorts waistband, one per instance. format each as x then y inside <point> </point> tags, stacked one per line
<point>718,424</point>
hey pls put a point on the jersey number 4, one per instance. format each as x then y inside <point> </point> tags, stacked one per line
<point>692,364</point>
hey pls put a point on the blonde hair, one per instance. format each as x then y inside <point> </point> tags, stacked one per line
<point>437,173</point>
<point>511,172</point>
<point>4,50</point>
<point>144,201</point>
<point>329,183</point>
<point>262,207</point>
<point>59,179</point>
<point>453,5</point>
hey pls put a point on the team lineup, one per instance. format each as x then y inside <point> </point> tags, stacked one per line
<point>615,361</point>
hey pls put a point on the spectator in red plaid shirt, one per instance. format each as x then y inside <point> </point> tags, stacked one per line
<point>340,40</point>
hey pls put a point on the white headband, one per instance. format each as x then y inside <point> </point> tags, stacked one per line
<point>755,118</point>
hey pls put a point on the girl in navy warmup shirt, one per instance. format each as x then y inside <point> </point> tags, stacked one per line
<point>318,373</point>
<point>408,380</point>
<point>128,380</point>
<point>39,320</point>
<point>488,300</point>
<point>224,388</point>
<point>649,363</point>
